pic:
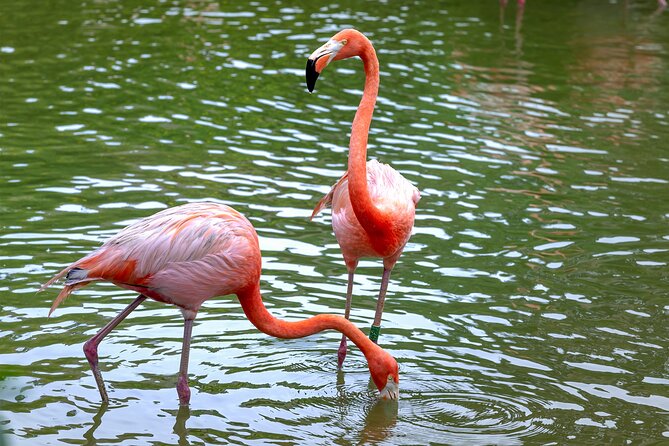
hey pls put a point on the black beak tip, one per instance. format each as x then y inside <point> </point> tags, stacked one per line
<point>311,75</point>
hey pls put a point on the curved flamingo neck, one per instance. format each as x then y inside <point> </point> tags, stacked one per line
<point>254,308</point>
<point>369,216</point>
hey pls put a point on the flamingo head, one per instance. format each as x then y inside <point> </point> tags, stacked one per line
<point>385,374</point>
<point>346,43</point>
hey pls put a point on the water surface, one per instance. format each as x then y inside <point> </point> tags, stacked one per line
<point>528,308</point>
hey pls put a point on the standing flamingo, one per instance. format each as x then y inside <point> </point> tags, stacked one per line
<point>188,254</point>
<point>373,206</point>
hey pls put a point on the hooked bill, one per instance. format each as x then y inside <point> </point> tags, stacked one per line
<point>311,74</point>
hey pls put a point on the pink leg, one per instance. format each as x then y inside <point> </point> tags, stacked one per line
<point>91,346</point>
<point>182,383</point>
<point>341,354</point>
<point>376,326</point>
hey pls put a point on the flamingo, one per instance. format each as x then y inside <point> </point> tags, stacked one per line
<point>373,205</point>
<point>503,3</point>
<point>186,255</point>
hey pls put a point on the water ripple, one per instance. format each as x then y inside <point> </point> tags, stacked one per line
<point>528,306</point>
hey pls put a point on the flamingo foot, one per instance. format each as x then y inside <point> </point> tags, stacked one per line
<point>341,353</point>
<point>374,333</point>
<point>183,390</point>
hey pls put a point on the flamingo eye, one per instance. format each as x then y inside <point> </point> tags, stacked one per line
<point>343,42</point>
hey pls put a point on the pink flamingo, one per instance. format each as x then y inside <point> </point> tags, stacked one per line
<point>662,3</point>
<point>188,254</point>
<point>373,206</point>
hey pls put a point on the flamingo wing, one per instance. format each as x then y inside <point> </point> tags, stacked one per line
<point>390,191</point>
<point>387,188</point>
<point>182,255</point>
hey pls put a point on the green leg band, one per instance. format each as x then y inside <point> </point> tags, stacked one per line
<point>374,333</point>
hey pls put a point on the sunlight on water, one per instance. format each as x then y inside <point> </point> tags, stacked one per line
<point>528,306</point>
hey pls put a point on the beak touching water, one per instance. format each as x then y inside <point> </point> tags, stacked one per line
<point>320,59</point>
<point>391,391</point>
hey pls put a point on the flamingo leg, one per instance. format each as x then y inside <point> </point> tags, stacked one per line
<point>376,326</point>
<point>341,353</point>
<point>91,346</point>
<point>182,383</point>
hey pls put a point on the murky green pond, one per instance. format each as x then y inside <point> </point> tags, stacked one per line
<point>530,306</point>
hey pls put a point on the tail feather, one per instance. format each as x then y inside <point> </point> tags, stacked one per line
<point>325,202</point>
<point>74,278</point>
<point>76,275</point>
<point>54,279</point>
<point>66,291</point>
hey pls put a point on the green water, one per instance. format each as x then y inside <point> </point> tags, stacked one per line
<point>529,307</point>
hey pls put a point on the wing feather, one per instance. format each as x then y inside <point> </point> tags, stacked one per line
<point>182,235</point>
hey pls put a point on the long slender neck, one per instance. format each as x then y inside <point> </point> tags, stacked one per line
<point>369,216</point>
<point>255,311</point>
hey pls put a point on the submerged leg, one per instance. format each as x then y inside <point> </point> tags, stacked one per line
<point>376,326</point>
<point>341,354</point>
<point>91,346</point>
<point>182,383</point>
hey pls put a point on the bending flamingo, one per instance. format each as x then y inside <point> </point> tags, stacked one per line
<point>188,254</point>
<point>373,206</point>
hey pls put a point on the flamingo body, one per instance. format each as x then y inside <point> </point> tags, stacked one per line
<point>186,255</point>
<point>373,206</point>
<point>182,256</point>
<point>393,195</point>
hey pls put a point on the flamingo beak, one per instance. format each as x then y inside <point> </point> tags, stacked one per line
<point>320,59</point>
<point>391,391</point>
<point>311,75</point>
